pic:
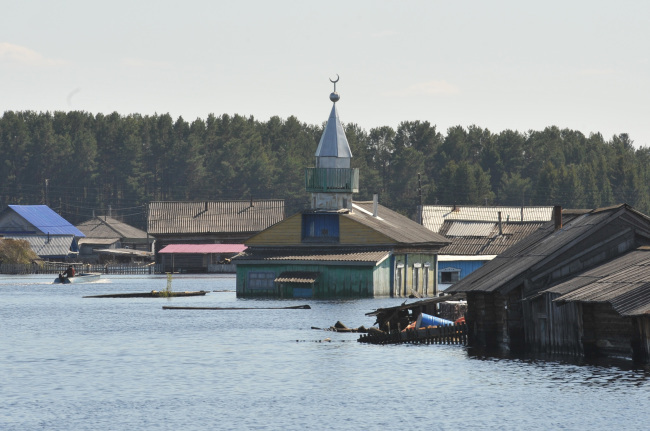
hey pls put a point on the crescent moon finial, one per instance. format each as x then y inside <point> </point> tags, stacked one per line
<point>334,97</point>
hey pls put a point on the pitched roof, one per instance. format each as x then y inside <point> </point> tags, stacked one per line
<point>511,267</point>
<point>394,225</point>
<point>433,216</point>
<point>282,255</point>
<point>214,216</point>
<point>108,227</point>
<point>484,238</point>
<point>47,246</point>
<point>333,142</point>
<point>45,220</point>
<point>623,282</point>
<point>203,248</point>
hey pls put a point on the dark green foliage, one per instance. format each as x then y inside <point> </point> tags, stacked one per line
<point>96,164</point>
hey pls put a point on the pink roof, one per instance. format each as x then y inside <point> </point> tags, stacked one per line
<point>203,248</point>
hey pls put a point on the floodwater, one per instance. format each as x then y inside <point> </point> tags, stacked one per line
<point>73,363</point>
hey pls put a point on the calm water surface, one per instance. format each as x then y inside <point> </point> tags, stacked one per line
<point>73,363</point>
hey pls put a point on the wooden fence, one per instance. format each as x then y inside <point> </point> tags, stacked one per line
<point>451,334</point>
<point>58,267</point>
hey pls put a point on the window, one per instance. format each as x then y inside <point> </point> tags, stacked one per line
<point>425,278</point>
<point>449,275</point>
<point>320,227</point>
<point>261,280</point>
<point>417,269</point>
<point>399,270</point>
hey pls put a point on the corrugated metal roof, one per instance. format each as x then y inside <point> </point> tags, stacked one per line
<point>465,228</point>
<point>48,246</point>
<point>203,248</point>
<point>394,225</point>
<point>98,241</point>
<point>510,267</point>
<point>493,243</point>
<point>108,227</point>
<point>433,216</point>
<point>46,220</point>
<point>362,257</point>
<point>214,216</point>
<point>623,282</point>
<point>125,252</point>
<point>297,277</point>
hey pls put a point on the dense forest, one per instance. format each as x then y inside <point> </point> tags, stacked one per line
<point>82,164</point>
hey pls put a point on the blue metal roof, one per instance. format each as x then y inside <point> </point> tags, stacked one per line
<point>46,220</point>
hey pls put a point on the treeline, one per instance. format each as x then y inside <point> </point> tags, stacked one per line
<point>83,165</point>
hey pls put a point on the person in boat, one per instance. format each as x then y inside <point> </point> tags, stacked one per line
<point>68,273</point>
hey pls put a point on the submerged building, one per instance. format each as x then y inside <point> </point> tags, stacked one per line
<point>338,247</point>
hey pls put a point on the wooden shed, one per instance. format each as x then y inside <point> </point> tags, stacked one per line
<point>512,303</point>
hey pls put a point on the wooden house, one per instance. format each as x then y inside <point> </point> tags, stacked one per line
<point>339,248</point>
<point>209,222</point>
<point>478,234</point>
<point>110,239</point>
<point>50,236</point>
<point>574,286</point>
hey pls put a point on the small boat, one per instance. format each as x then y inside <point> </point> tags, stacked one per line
<point>84,277</point>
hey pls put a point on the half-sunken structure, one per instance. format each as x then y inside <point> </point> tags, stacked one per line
<point>339,248</point>
<point>578,285</point>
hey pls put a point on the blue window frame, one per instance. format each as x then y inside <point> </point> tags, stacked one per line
<point>320,227</point>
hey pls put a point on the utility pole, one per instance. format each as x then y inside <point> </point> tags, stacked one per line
<point>47,183</point>
<point>420,199</point>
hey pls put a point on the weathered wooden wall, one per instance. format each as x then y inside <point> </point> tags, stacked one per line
<point>552,328</point>
<point>606,333</point>
<point>344,281</point>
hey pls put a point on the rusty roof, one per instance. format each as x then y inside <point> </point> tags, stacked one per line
<point>394,225</point>
<point>623,282</point>
<point>280,255</point>
<point>518,262</point>
<point>214,216</point>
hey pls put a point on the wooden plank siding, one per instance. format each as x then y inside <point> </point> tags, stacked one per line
<point>551,328</point>
<point>354,233</point>
<point>427,274</point>
<point>362,281</point>
<point>287,232</point>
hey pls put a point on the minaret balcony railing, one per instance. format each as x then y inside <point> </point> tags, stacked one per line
<point>337,180</point>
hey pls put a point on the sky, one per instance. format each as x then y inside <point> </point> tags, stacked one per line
<point>519,65</point>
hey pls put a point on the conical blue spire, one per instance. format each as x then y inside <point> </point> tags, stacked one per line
<point>333,149</point>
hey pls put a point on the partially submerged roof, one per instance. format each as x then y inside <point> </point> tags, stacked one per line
<point>203,248</point>
<point>214,216</point>
<point>108,227</point>
<point>433,216</point>
<point>304,277</point>
<point>45,220</point>
<point>623,282</point>
<point>48,245</point>
<point>400,228</point>
<point>510,268</point>
<point>321,256</point>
